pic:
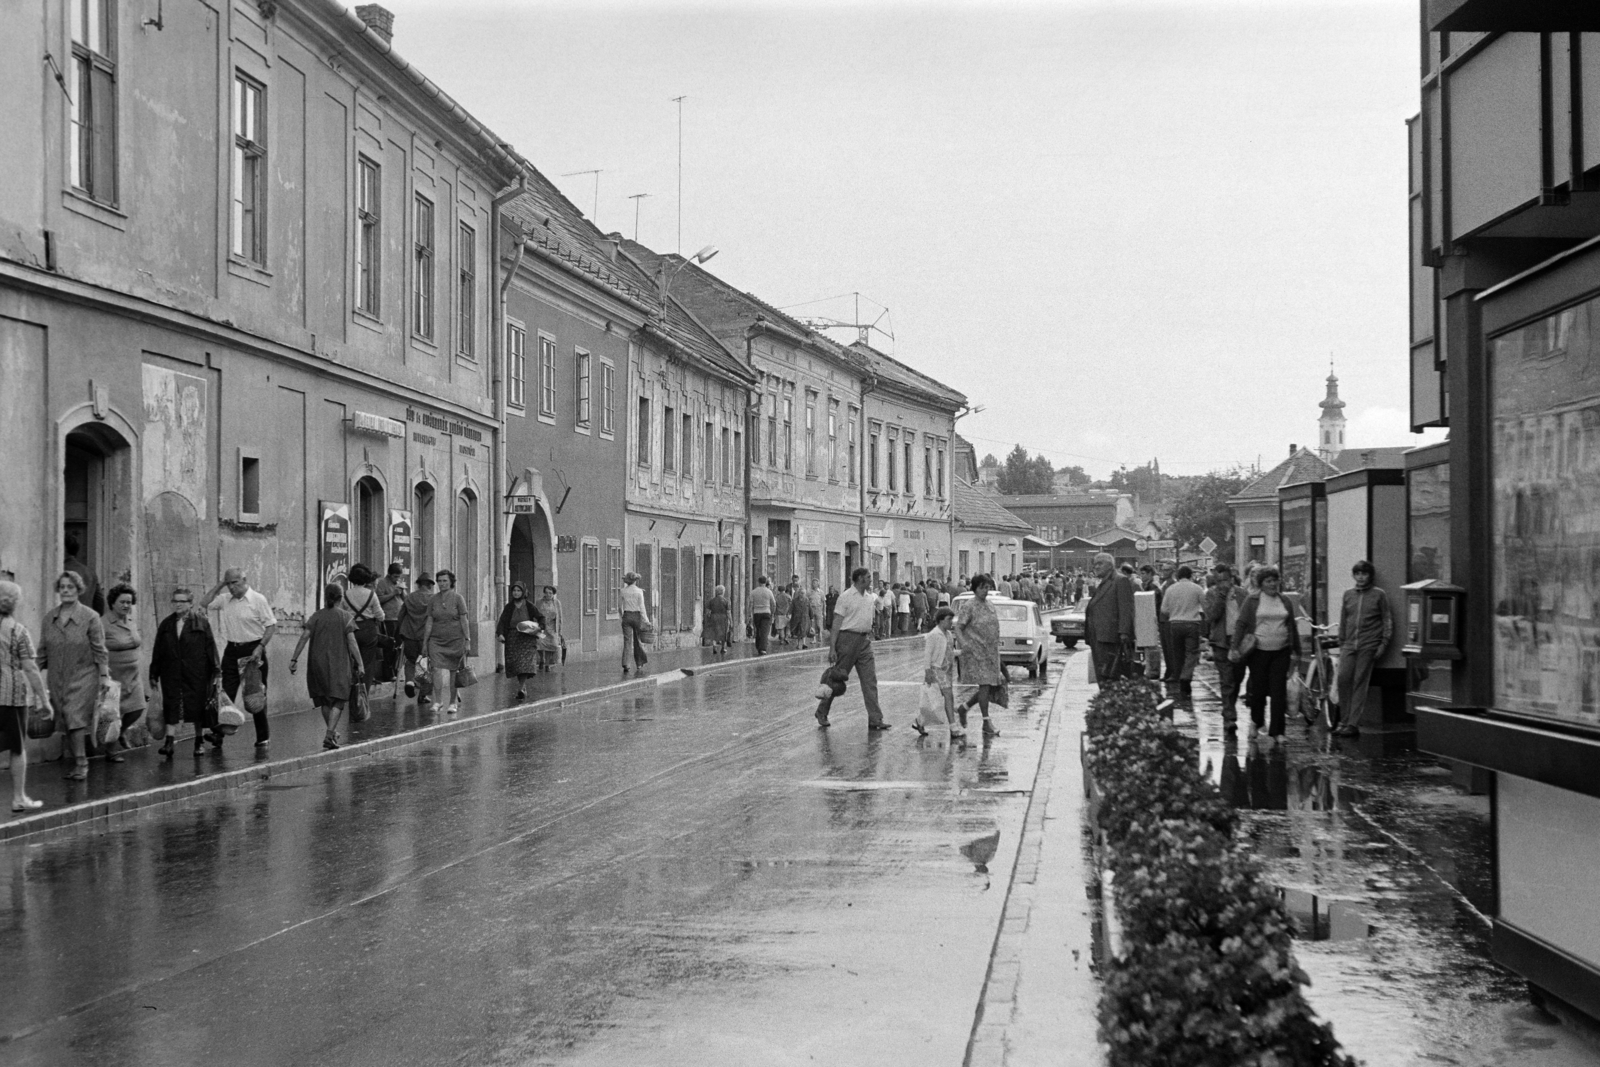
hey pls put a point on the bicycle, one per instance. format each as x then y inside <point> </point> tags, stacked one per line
<point>1319,688</point>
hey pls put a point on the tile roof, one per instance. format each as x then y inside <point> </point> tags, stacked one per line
<point>1062,500</point>
<point>1304,466</point>
<point>976,508</point>
<point>888,368</point>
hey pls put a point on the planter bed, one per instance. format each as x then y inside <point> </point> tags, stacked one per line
<point>1205,974</point>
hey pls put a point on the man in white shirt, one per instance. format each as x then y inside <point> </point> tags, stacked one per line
<point>850,645</point>
<point>243,619</point>
<point>1183,609</point>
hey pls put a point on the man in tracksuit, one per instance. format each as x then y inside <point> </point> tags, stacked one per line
<point>1365,627</point>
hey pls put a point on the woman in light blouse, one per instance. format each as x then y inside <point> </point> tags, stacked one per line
<point>635,617</point>
<point>122,645</point>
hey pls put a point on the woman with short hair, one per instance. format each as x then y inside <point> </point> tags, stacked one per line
<point>336,663</point>
<point>122,647</point>
<point>978,631</point>
<point>447,639</point>
<point>19,673</point>
<point>552,645</point>
<point>72,653</point>
<point>1267,638</point>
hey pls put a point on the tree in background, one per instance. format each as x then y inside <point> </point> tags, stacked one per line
<point>1076,476</point>
<point>989,460</point>
<point>1200,509</point>
<point>1022,475</point>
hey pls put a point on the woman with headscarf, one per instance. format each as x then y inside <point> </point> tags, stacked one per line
<point>122,647</point>
<point>522,645</point>
<point>19,673</point>
<point>718,624</point>
<point>72,653</point>
<point>552,645</point>
<point>978,630</point>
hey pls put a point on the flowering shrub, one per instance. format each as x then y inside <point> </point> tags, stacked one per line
<point>1207,978</point>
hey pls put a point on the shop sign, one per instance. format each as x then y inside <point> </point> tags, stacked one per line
<point>444,425</point>
<point>1160,546</point>
<point>808,534</point>
<point>567,543</point>
<point>366,422</point>
<point>521,504</point>
<point>334,541</point>
<point>400,541</point>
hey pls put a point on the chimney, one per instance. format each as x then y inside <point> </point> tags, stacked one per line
<point>613,244</point>
<point>379,19</point>
<point>1292,450</point>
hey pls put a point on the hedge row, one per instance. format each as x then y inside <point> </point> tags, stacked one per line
<point>1206,977</point>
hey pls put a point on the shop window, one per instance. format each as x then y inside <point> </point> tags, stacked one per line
<point>249,488</point>
<point>466,544</point>
<point>423,561</point>
<point>668,609</point>
<point>371,525</point>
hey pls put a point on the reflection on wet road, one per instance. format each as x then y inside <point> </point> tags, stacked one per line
<point>690,875</point>
<point>1385,868</point>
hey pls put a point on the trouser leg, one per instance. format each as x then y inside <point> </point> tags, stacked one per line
<point>763,627</point>
<point>1355,675</point>
<point>1256,695</point>
<point>1278,688</point>
<point>1227,681</point>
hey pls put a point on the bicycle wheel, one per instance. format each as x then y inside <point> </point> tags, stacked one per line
<point>1313,694</point>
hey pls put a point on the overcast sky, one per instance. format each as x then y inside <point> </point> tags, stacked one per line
<point>1125,230</point>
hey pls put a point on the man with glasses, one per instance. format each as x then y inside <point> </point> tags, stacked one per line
<point>183,665</point>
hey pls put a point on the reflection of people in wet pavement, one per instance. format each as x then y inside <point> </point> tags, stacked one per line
<point>1266,779</point>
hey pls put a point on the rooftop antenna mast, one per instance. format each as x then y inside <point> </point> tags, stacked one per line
<point>594,216</point>
<point>679,101</point>
<point>636,198</point>
<point>863,329</point>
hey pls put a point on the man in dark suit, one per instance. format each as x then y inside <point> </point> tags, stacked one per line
<point>1108,622</point>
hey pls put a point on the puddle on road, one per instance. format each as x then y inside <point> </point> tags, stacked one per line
<point>981,850</point>
<point>841,783</point>
<point>1320,919</point>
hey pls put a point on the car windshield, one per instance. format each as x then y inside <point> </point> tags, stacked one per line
<point>1012,612</point>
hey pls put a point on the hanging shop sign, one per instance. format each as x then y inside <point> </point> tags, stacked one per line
<point>334,541</point>
<point>366,422</point>
<point>521,504</point>
<point>400,541</point>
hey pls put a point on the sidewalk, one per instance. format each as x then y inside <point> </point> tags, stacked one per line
<point>147,779</point>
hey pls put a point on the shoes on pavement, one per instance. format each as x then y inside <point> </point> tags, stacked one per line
<point>116,757</point>
<point>522,695</point>
<point>822,722</point>
<point>411,689</point>
<point>78,773</point>
<point>989,728</point>
<point>26,804</point>
<point>263,743</point>
<point>880,725</point>
<point>452,710</point>
<point>166,747</point>
<point>921,732</point>
<point>331,741</point>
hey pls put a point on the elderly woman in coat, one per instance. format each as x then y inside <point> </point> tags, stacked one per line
<point>185,667</point>
<point>718,624</point>
<point>72,653</point>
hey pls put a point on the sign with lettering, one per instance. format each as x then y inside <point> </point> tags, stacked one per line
<point>444,425</point>
<point>366,422</point>
<point>1161,546</point>
<point>335,542</point>
<point>521,504</point>
<point>400,540</point>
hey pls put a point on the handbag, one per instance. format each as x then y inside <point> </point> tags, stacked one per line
<point>1000,695</point>
<point>41,721</point>
<point>1243,649</point>
<point>466,677</point>
<point>108,714</point>
<point>647,633</point>
<point>360,708</point>
<point>229,717</point>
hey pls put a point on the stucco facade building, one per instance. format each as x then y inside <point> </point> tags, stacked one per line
<point>245,314</point>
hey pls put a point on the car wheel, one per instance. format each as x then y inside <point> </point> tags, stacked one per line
<point>1044,665</point>
<point>1033,669</point>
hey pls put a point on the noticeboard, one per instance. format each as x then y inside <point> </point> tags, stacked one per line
<point>334,542</point>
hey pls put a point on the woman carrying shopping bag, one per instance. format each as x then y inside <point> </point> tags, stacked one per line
<point>335,663</point>
<point>939,678</point>
<point>19,673</point>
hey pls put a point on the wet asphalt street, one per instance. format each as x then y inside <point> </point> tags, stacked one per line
<point>692,874</point>
<point>1385,864</point>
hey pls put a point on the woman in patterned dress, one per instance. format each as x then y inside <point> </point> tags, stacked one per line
<point>19,672</point>
<point>978,628</point>
<point>522,648</point>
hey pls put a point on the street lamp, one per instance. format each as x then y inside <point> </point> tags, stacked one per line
<point>702,256</point>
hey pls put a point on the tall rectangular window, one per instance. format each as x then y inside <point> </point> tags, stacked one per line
<point>467,292</point>
<point>727,459</point>
<point>92,144</point>
<point>669,432</point>
<point>248,215</point>
<point>854,472</point>
<point>772,429</point>
<point>872,458</point>
<point>582,370</point>
<point>614,583</point>
<point>422,268</point>
<point>686,443</point>
<point>709,460</point>
<point>833,440</point>
<point>927,469</point>
<point>788,434</point>
<point>591,579</point>
<point>368,235</point>
<point>894,447</point>
<point>643,436</point>
<point>547,376</point>
<point>608,397</point>
<point>737,457</point>
<point>941,470</point>
<point>811,435</point>
<point>908,445</point>
<point>516,366</point>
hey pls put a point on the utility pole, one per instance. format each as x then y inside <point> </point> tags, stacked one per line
<point>679,101</point>
<point>594,216</point>
<point>636,197</point>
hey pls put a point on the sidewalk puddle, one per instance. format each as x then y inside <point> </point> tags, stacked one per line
<point>840,783</point>
<point>1319,919</point>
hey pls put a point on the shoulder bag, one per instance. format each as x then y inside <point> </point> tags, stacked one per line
<point>466,677</point>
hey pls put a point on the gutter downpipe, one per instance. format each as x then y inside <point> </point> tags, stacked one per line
<point>950,457</point>
<point>497,389</point>
<point>869,384</point>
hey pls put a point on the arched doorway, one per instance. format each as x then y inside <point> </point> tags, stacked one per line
<point>371,524</point>
<point>532,562</point>
<point>97,496</point>
<point>422,530</point>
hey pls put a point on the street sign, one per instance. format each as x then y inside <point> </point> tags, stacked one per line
<point>1208,546</point>
<point>1141,544</point>
<point>1158,546</point>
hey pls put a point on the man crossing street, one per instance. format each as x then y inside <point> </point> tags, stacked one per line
<point>850,645</point>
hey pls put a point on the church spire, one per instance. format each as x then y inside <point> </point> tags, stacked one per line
<point>1330,427</point>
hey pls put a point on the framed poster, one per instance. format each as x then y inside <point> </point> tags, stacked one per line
<point>334,543</point>
<point>400,542</point>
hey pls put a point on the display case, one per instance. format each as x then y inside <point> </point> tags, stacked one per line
<point>1303,546</point>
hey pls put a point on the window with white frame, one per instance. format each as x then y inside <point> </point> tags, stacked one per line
<point>369,236</point>
<point>547,376</point>
<point>422,280</point>
<point>247,222</point>
<point>591,578</point>
<point>614,578</point>
<point>581,369</point>
<point>516,365</point>
<point>92,144</point>
<point>608,397</point>
<point>467,292</point>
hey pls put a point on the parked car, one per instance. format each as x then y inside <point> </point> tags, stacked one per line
<point>1068,626</point>
<point>1024,641</point>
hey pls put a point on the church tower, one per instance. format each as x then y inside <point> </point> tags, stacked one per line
<point>1330,427</point>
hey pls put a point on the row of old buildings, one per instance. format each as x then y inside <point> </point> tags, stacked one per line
<point>270,298</point>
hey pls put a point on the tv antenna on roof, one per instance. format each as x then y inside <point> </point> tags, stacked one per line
<point>594,216</point>
<point>862,328</point>
<point>636,198</point>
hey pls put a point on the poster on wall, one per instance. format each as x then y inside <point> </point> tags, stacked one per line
<point>400,541</point>
<point>1545,545</point>
<point>334,539</point>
